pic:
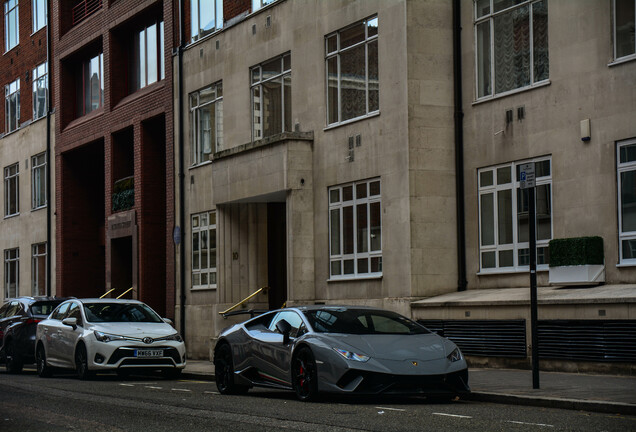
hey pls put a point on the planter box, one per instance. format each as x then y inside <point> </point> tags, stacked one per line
<point>588,274</point>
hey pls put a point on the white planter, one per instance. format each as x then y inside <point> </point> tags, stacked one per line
<point>589,274</point>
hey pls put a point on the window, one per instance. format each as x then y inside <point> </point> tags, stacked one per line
<point>90,91</point>
<point>11,25</point>
<point>511,38</point>
<point>38,269</point>
<point>355,230</point>
<point>11,190</point>
<point>353,86</point>
<point>626,162</point>
<point>624,19</point>
<point>206,16</point>
<point>271,97</point>
<point>148,60</point>
<point>40,86</point>
<point>39,12</point>
<point>11,272</point>
<point>38,181</point>
<point>12,106</point>
<point>206,121</point>
<point>204,250</point>
<point>503,217</point>
<point>257,4</point>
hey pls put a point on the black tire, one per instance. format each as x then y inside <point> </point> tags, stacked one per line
<point>44,370</point>
<point>305,375</point>
<point>81,363</point>
<point>14,363</point>
<point>171,373</point>
<point>224,372</point>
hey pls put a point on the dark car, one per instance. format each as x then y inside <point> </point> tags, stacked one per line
<point>19,318</point>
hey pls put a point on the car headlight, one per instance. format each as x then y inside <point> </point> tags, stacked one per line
<point>173,337</point>
<point>105,337</point>
<point>456,355</point>
<point>349,355</point>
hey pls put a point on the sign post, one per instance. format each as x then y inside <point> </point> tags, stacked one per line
<point>527,181</point>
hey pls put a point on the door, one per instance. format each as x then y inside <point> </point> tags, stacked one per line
<point>68,335</point>
<point>277,357</point>
<point>51,329</point>
<point>277,254</point>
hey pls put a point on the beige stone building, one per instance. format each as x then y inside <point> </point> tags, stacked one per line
<point>324,158</point>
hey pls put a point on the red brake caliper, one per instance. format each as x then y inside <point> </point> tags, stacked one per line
<point>302,375</point>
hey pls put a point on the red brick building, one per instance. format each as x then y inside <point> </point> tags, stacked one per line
<point>114,149</point>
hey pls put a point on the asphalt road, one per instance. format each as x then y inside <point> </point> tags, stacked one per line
<point>107,403</point>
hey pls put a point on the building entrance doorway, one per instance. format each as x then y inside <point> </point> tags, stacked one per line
<point>277,254</point>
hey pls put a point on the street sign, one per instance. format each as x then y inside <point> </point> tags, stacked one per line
<point>526,175</point>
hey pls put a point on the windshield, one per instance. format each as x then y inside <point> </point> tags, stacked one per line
<point>361,321</point>
<point>120,312</point>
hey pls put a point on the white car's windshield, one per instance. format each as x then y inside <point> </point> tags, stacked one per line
<point>120,312</point>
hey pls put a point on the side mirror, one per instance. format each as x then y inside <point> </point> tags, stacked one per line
<point>71,322</point>
<point>284,328</point>
<point>168,321</point>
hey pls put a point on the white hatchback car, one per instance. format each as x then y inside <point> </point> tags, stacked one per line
<point>91,335</point>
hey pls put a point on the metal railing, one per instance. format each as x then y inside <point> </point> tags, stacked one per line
<point>84,9</point>
<point>255,293</point>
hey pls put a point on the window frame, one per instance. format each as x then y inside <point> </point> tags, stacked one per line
<point>516,246</point>
<point>621,168</point>
<point>628,57</point>
<point>39,168</point>
<point>36,7</point>
<point>40,82</point>
<point>257,83</point>
<point>197,227</point>
<point>11,184</point>
<point>85,88</point>
<point>9,262</point>
<point>216,142</point>
<point>490,17</point>
<point>141,59</point>
<point>36,277</point>
<point>12,89</point>
<point>337,253</point>
<point>337,54</point>
<point>11,13</point>
<point>217,6</point>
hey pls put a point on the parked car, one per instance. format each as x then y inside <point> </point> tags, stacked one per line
<point>338,349</point>
<point>91,335</point>
<point>19,318</point>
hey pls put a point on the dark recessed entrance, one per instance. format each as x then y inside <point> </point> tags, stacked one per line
<point>277,254</point>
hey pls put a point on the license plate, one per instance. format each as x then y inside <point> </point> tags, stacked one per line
<point>146,353</point>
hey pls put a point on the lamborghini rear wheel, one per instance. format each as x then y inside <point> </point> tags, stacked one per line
<point>224,372</point>
<point>305,375</point>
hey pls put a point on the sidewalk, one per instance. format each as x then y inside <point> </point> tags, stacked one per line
<point>599,393</point>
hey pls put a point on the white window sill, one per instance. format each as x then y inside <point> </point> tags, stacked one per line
<point>375,276</point>
<point>191,167</point>
<point>12,215</point>
<point>203,288</point>
<point>511,92</point>
<point>353,120</point>
<point>39,208</point>
<point>622,60</point>
<point>626,264</point>
<point>512,270</point>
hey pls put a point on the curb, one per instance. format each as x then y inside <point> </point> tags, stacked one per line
<point>553,402</point>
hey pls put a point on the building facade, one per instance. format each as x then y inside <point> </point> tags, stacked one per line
<point>27,225</point>
<point>114,154</point>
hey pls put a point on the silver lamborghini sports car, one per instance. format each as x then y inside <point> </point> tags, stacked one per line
<point>338,349</point>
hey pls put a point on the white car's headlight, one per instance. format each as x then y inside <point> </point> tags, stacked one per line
<point>173,337</point>
<point>456,355</point>
<point>106,337</point>
<point>349,355</point>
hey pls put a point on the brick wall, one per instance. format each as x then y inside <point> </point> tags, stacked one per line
<point>232,8</point>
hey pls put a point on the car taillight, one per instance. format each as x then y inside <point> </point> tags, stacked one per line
<point>32,321</point>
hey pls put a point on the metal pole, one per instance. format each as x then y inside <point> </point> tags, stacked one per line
<point>533,287</point>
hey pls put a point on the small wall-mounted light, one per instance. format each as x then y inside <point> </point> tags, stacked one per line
<point>585,130</point>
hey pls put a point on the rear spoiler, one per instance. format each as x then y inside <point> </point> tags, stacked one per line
<point>252,313</point>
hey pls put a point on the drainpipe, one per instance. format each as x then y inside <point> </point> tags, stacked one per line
<point>459,147</point>
<point>182,279</point>
<point>49,210</point>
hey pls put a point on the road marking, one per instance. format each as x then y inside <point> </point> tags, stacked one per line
<point>531,424</point>
<point>211,392</point>
<point>181,390</point>
<point>390,409</point>
<point>154,387</point>
<point>127,385</point>
<point>453,415</point>
<point>195,382</point>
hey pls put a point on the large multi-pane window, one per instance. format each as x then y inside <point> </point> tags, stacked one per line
<point>11,190</point>
<point>504,217</point>
<point>353,86</point>
<point>206,16</point>
<point>271,97</point>
<point>206,120</point>
<point>40,85</point>
<point>12,106</point>
<point>38,269</point>
<point>511,38</point>
<point>38,181</point>
<point>90,85</point>
<point>355,230</point>
<point>11,24</point>
<point>11,272</point>
<point>204,250</point>
<point>624,19</point>
<point>147,57</point>
<point>626,163</point>
<point>39,12</point>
